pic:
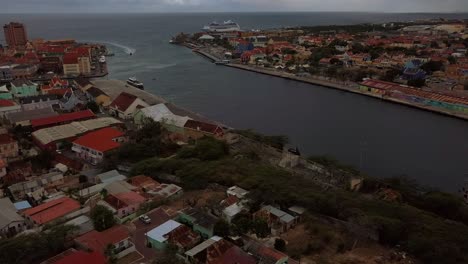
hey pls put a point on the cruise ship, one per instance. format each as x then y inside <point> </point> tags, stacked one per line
<point>135,83</point>
<point>227,26</point>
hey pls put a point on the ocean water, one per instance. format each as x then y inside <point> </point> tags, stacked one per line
<point>381,139</point>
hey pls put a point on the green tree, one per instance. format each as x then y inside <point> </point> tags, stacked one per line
<point>241,224</point>
<point>102,218</point>
<point>109,252</point>
<point>221,228</point>
<point>260,228</point>
<point>452,59</point>
<point>280,245</point>
<point>93,106</point>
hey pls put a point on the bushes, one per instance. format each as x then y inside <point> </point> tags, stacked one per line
<point>273,141</point>
<point>206,148</point>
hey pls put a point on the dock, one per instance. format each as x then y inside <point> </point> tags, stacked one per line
<point>114,87</point>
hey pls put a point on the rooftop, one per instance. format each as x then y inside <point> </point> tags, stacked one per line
<point>73,256</point>
<point>110,176</point>
<point>52,134</point>
<point>63,118</point>
<point>123,101</point>
<point>98,241</point>
<point>101,140</point>
<point>52,210</point>
<point>8,212</point>
<point>159,232</point>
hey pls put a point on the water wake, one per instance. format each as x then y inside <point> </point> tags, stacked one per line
<point>126,49</point>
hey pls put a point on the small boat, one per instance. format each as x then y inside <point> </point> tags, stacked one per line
<point>131,54</point>
<point>222,62</point>
<point>135,83</point>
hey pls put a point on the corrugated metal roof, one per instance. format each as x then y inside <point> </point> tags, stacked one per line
<point>159,232</point>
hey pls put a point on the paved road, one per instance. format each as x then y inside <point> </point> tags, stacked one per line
<point>157,216</point>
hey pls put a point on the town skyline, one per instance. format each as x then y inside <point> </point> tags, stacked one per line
<point>175,6</point>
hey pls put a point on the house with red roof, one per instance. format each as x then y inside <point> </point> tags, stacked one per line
<point>148,187</point>
<point>8,106</point>
<point>52,210</point>
<point>92,146</point>
<point>196,129</point>
<point>125,105</point>
<point>125,203</point>
<point>118,236</point>
<point>73,256</point>
<point>61,119</point>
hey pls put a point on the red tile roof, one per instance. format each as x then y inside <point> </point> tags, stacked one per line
<point>98,241</point>
<point>202,126</point>
<point>234,255</point>
<point>63,118</point>
<point>60,92</point>
<point>100,140</point>
<point>4,103</point>
<point>122,200</point>
<point>77,257</point>
<point>123,101</point>
<point>142,181</point>
<point>70,58</point>
<point>52,210</point>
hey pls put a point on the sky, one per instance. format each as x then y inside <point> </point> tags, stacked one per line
<point>122,6</point>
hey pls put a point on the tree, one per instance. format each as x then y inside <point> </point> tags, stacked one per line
<point>93,106</point>
<point>417,83</point>
<point>452,59</point>
<point>109,252</point>
<point>260,228</point>
<point>241,224</point>
<point>102,218</point>
<point>280,245</point>
<point>221,228</point>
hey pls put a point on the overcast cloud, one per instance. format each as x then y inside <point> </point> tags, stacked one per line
<point>76,6</point>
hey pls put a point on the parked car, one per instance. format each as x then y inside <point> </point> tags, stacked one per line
<point>145,219</point>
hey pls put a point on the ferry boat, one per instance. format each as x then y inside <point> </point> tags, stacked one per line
<point>135,83</point>
<point>227,26</point>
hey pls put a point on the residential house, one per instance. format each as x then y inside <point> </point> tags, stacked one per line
<point>22,205</point>
<point>118,236</point>
<point>24,88</point>
<point>73,256</point>
<point>218,251</point>
<point>125,105</point>
<point>172,233</point>
<point>267,255</point>
<point>8,147</point>
<point>197,129</point>
<point>51,211</point>
<point>47,181</point>
<point>110,177</point>
<point>83,223</point>
<point>237,191</point>
<point>278,220</point>
<point>39,102</point>
<point>125,203</point>
<point>61,119</point>
<point>5,93</point>
<point>24,117</point>
<point>11,222</point>
<point>201,222</point>
<point>148,186</point>
<point>98,96</point>
<point>24,70</point>
<point>231,211</point>
<point>94,145</point>
<point>6,72</point>
<point>18,171</point>
<point>7,107</point>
